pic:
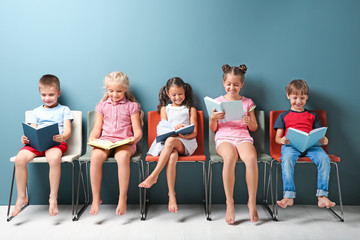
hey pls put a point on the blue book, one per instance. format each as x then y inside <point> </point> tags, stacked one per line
<point>41,138</point>
<point>233,109</point>
<point>165,130</point>
<point>302,141</point>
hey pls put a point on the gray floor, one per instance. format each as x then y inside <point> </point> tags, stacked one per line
<point>297,222</point>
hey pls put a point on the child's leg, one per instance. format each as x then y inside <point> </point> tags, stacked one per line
<point>229,153</point>
<point>322,161</point>
<point>53,156</point>
<point>98,156</point>
<point>248,155</point>
<point>122,157</point>
<point>171,176</point>
<point>21,174</point>
<point>289,156</point>
<point>170,144</point>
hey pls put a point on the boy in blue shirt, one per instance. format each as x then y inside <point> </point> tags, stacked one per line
<point>299,118</point>
<point>49,113</point>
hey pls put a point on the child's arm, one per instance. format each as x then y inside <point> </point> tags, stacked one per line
<point>96,131</point>
<point>66,134</point>
<point>215,116</point>
<point>193,120</point>
<point>279,138</point>
<point>250,121</point>
<point>136,126</point>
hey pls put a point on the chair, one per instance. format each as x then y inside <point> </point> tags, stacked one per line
<point>275,152</point>
<point>263,157</point>
<point>198,156</point>
<point>73,152</point>
<point>85,159</point>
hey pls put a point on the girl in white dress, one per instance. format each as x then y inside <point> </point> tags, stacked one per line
<point>179,113</point>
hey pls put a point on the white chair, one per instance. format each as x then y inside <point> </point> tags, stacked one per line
<point>73,153</point>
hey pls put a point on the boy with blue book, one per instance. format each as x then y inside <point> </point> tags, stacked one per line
<point>302,119</point>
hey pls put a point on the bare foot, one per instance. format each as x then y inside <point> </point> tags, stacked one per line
<point>285,202</point>
<point>95,207</point>
<point>148,182</point>
<point>230,213</point>
<point>325,202</point>
<point>53,207</point>
<point>253,212</point>
<point>173,205</point>
<point>121,207</point>
<point>20,202</point>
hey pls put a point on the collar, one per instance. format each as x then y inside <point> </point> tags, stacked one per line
<point>122,101</point>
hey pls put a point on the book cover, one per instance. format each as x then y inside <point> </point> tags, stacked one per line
<point>107,145</point>
<point>165,130</point>
<point>41,138</point>
<point>302,140</point>
<point>233,109</point>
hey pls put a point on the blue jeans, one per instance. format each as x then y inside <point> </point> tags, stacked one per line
<point>290,155</point>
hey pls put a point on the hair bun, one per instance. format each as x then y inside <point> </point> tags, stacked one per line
<point>226,68</point>
<point>243,68</point>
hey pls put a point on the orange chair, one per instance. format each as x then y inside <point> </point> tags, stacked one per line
<point>198,156</point>
<point>275,152</point>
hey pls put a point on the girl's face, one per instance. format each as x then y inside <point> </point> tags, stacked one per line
<point>176,95</point>
<point>297,101</point>
<point>115,91</point>
<point>49,96</point>
<point>233,85</point>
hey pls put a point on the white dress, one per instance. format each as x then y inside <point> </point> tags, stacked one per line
<point>176,115</point>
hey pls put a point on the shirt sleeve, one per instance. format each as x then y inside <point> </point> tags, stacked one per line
<point>99,109</point>
<point>250,105</point>
<point>317,122</point>
<point>67,114</point>
<point>280,122</point>
<point>133,108</point>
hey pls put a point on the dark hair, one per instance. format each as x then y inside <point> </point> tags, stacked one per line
<point>297,86</point>
<point>49,81</point>
<point>236,71</point>
<point>175,82</point>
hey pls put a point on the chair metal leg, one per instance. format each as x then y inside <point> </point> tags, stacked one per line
<point>145,201</point>
<point>206,189</point>
<point>266,191</point>
<point>78,213</point>
<point>341,218</point>
<point>275,218</point>
<point>141,173</point>
<point>210,190</point>
<point>73,190</point>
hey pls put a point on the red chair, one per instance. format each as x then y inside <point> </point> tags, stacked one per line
<point>198,156</point>
<point>275,152</point>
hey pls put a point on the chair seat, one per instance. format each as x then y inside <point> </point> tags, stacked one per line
<point>333,158</point>
<point>192,158</point>
<point>86,158</point>
<point>65,158</point>
<point>262,157</point>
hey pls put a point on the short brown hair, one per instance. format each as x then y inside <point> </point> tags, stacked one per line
<point>297,86</point>
<point>50,81</point>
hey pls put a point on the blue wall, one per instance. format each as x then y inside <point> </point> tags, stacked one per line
<point>151,41</point>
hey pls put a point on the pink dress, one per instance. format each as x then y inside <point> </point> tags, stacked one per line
<point>235,129</point>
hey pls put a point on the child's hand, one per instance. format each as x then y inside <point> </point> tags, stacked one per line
<point>91,139</point>
<point>132,141</point>
<point>246,119</point>
<point>324,141</point>
<point>58,138</point>
<point>284,140</point>
<point>24,140</point>
<point>217,115</point>
<point>180,125</point>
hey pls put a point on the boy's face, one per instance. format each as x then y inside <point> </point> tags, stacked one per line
<point>49,96</point>
<point>115,91</point>
<point>297,101</point>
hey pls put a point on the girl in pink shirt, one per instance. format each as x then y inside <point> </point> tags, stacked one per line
<point>233,141</point>
<point>118,117</point>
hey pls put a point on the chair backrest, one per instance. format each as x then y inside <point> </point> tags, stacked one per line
<point>75,140</point>
<point>258,135</point>
<point>154,119</point>
<point>90,125</point>
<point>275,148</point>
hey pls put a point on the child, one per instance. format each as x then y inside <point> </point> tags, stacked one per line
<point>179,113</point>
<point>233,140</point>
<point>298,117</point>
<point>49,113</point>
<point>117,118</point>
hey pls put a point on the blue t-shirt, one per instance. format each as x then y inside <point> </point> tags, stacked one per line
<point>304,121</point>
<point>43,117</point>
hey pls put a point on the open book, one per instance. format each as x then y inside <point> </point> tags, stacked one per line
<point>41,138</point>
<point>107,145</point>
<point>233,109</point>
<point>302,141</point>
<point>165,130</point>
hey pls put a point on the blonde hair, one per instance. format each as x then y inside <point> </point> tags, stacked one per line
<point>297,86</point>
<point>123,80</point>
